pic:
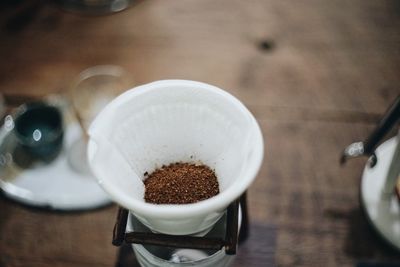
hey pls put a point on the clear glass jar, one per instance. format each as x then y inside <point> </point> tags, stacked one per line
<point>89,93</point>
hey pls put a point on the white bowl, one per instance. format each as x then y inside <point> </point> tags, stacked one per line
<point>174,121</point>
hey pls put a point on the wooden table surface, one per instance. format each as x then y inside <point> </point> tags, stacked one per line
<point>316,74</point>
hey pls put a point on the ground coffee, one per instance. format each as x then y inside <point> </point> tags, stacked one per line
<point>180,183</point>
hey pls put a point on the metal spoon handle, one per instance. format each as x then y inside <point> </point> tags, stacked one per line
<point>391,116</point>
<point>367,148</point>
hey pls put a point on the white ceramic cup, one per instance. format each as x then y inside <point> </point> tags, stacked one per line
<point>174,121</point>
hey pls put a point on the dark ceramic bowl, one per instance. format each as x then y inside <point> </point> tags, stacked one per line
<point>39,130</point>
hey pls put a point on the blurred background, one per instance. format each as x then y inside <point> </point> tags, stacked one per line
<point>316,74</point>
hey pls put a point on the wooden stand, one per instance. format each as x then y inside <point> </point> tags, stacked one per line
<point>230,240</point>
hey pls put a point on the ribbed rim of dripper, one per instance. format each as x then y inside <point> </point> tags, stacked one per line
<point>216,203</point>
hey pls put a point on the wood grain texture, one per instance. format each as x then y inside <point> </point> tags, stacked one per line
<point>31,237</point>
<point>316,74</point>
<point>327,55</point>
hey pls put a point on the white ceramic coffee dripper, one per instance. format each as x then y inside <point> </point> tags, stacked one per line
<point>174,121</point>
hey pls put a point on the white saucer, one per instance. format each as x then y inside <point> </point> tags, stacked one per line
<point>60,185</point>
<point>384,214</point>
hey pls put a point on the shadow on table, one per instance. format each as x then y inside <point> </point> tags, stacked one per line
<point>5,213</point>
<point>363,242</point>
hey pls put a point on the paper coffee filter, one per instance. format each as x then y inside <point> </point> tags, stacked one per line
<point>174,121</point>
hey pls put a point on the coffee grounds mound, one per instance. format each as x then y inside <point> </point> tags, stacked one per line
<point>180,183</point>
